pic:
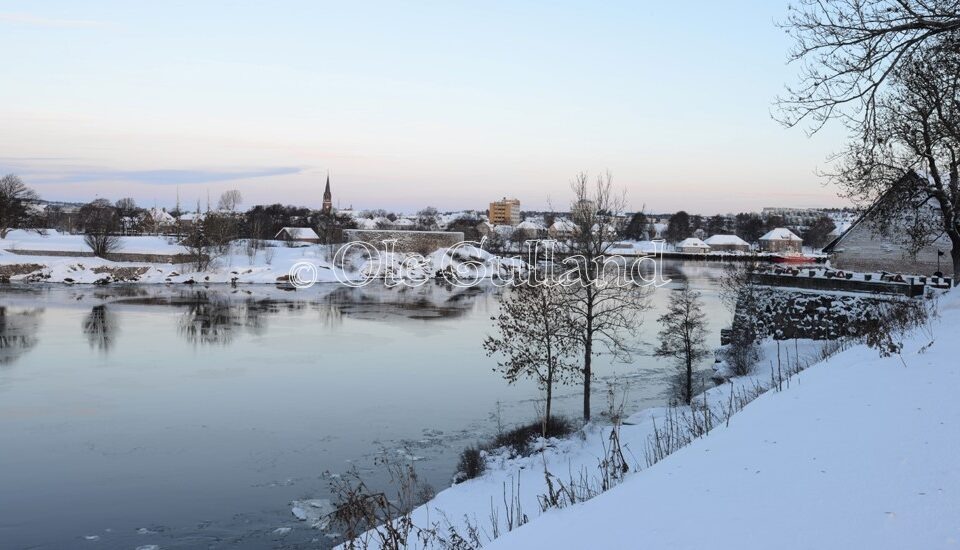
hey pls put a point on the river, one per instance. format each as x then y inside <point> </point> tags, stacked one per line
<point>192,417</point>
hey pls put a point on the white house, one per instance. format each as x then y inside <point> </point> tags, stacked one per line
<point>527,230</point>
<point>727,243</point>
<point>781,239</point>
<point>485,229</point>
<point>562,229</point>
<point>298,234</point>
<point>156,220</point>
<point>693,245</point>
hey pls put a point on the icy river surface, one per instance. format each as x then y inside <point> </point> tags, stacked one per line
<point>192,417</point>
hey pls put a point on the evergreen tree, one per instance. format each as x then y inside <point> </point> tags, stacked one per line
<point>818,234</point>
<point>678,228</point>
<point>637,227</point>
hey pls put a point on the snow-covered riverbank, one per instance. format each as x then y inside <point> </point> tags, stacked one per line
<point>32,257</point>
<point>860,452</point>
<point>857,451</point>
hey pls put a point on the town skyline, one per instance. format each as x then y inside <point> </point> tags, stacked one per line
<point>450,107</point>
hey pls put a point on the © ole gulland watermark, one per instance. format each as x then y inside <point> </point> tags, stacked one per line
<point>543,265</point>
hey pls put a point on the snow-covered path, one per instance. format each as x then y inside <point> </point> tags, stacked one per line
<point>859,452</point>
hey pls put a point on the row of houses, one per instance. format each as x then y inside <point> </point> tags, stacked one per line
<point>780,240</point>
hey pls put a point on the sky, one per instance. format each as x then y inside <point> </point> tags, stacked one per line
<point>405,104</point>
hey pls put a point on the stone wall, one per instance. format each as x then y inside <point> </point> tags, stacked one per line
<point>421,242</point>
<point>785,315</point>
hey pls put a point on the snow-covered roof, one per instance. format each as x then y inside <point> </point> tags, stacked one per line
<point>157,215</point>
<point>299,233</point>
<point>563,225</point>
<point>192,216</point>
<point>728,240</point>
<point>403,222</point>
<point>609,228</point>
<point>692,242</point>
<point>529,225</point>
<point>780,234</point>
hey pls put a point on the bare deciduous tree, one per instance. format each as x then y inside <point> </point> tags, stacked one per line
<point>683,331</point>
<point>15,199</point>
<point>220,229</point>
<point>607,312</point>
<point>537,338</point>
<point>230,200</point>
<point>908,164</point>
<point>740,295</point>
<point>126,207</point>
<point>848,49</point>
<point>199,246</point>
<point>100,224</point>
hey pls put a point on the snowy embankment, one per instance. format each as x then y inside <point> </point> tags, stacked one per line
<point>857,451</point>
<point>270,264</point>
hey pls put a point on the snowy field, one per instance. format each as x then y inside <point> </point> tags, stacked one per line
<point>52,240</point>
<point>857,451</point>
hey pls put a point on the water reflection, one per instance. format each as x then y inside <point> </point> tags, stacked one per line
<point>18,332</point>
<point>101,327</point>
<point>437,300</point>
<point>216,317</point>
<point>214,320</point>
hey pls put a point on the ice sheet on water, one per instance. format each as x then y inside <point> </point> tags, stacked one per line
<point>315,511</point>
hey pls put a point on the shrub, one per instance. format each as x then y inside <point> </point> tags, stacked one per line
<point>519,438</point>
<point>472,464</point>
<point>743,352</point>
<point>473,461</point>
<point>885,332</point>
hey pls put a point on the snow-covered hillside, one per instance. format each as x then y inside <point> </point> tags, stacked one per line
<point>859,452</point>
<point>856,451</point>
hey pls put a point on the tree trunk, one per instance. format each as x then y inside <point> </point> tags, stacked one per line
<point>689,380</point>
<point>546,416</point>
<point>587,356</point>
<point>955,253</point>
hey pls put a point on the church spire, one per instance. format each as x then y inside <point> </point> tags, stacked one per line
<point>327,197</point>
